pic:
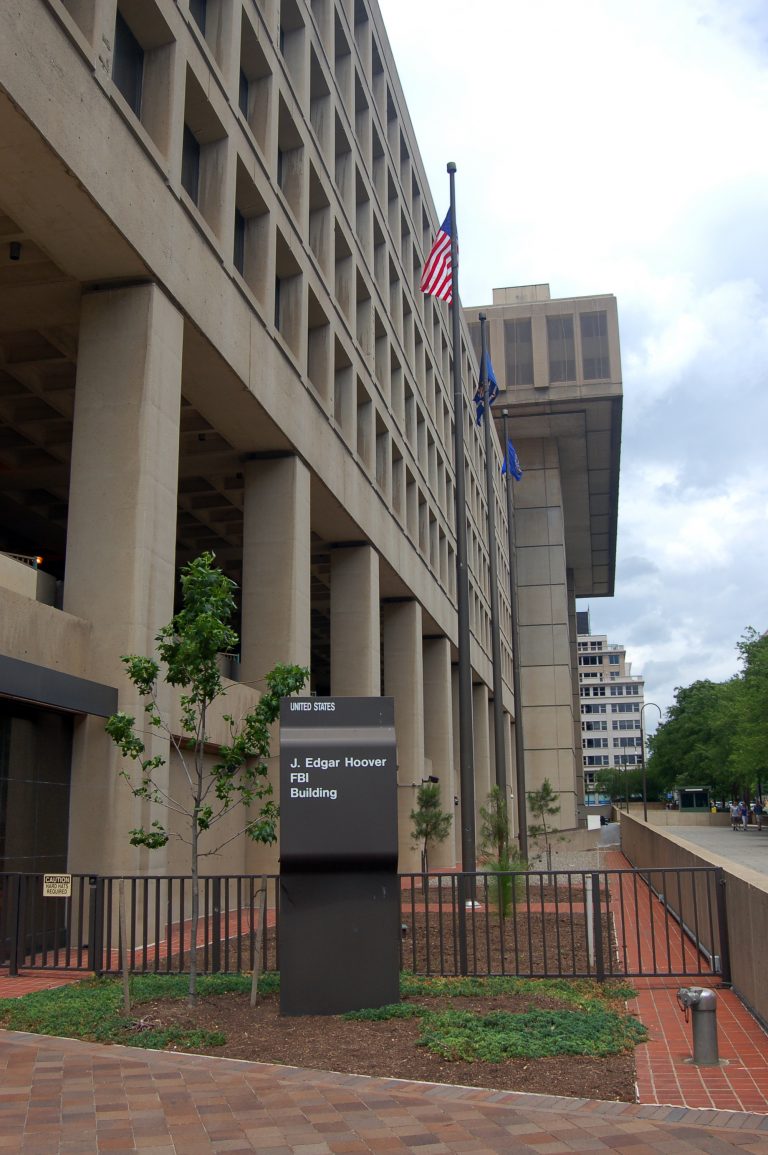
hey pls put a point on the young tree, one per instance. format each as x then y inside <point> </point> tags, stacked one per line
<point>430,823</point>
<point>496,850</point>
<point>189,647</point>
<point>544,804</point>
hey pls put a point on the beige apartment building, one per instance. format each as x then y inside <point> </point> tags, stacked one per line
<point>612,701</point>
<point>213,219</point>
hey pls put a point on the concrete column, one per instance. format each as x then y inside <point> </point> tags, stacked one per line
<point>355,622</point>
<point>438,741</point>
<point>546,669</point>
<point>275,623</point>
<point>121,538</point>
<point>404,681</point>
<point>483,770</point>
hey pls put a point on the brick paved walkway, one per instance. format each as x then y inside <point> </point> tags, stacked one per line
<point>60,1096</point>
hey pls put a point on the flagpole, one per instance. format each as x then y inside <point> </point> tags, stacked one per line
<point>522,810</point>
<point>500,748</point>
<point>466,738</point>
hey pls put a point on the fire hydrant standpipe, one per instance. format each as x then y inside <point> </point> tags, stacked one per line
<point>701,1002</point>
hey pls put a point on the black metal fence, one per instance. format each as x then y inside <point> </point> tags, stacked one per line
<point>570,924</point>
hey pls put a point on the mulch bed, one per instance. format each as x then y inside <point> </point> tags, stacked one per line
<point>525,943</point>
<point>388,1049</point>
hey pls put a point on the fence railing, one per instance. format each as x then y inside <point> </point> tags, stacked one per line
<point>566,924</point>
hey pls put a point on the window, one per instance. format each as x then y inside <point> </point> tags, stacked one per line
<point>238,248</point>
<point>614,659</point>
<point>617,691</point>
<point>590,660</point>
<point>128,64</point>
<point>242,93</point>
<point>518,352</point>
<point>595,743</point>
<point>190,163</point>
<point>562,350</point>
<point>594,346</point>
<point>595,708</point>
<point>197,10</point>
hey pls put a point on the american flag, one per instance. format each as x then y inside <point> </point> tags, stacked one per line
<point>437,278</point>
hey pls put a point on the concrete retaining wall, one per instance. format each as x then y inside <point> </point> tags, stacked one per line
<point>746,903</point>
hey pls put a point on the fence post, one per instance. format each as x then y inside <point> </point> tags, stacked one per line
<point>216,930</point>
<point>722,922</point>
<point>597,927</point>
<point>96,924</point>
<point>462,912</point>
<point>15,925</point>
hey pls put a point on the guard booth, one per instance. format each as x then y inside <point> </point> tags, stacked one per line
<point>339,890</point>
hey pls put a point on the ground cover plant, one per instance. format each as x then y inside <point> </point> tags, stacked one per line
<point>508,1033</point>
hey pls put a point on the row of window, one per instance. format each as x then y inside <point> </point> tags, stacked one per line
<point>630,724</point>
<point>561,349</point>
<point>616,708</point>
<point>619,760</point>
<point>602,743</point>
<point>597,659</point>
<point>616,691</point>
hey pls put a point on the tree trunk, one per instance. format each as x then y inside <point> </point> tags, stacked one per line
<point>192,996</point>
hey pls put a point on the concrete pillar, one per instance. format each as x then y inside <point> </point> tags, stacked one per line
<point>275,624</point>
<point>121,539</point>
<point>546,669</point>
<point>355,622</point>
<point>404,681</point>
<point>276,596</point>
<point>438,741</point>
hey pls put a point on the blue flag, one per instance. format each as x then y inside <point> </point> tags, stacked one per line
<point>511,463</point>
<point>489,387</point>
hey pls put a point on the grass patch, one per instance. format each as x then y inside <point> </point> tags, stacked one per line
<point>500,1035</point>
<point>92,1010</point>
<point>577,992</point>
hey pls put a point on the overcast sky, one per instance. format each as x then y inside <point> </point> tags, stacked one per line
<point>621,146</point>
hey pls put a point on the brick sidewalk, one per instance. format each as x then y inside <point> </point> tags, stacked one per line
<point>62,1097</point>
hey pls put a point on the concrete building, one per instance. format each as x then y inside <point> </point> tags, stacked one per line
<point>558,366</point>
<point>612,700</point>
<point>213,218</point>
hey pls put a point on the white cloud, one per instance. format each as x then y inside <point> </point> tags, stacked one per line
<point>616,146</point>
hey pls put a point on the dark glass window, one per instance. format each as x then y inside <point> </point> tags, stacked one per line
<point>562,350</point>
<point>242,95</point>
<point>277,303</point>
<point>594,346</point>
<point>197,10</point>
<point>190,163</point>
<point>518,352</point>
<point>238,255</point>
<point>128,64</point>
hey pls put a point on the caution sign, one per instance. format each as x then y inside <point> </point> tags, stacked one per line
<point>57,886</point>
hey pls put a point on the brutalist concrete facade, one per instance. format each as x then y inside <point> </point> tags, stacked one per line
<point>213,217</point>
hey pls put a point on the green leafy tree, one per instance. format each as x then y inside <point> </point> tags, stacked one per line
<point>749,754</point>
<point>544,805</point>
<point>431,824</point>
<point>189,648</point>
<point>695,743</point>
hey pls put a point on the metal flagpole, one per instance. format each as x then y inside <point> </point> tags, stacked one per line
<point>466,740</point>
<point>522,811</point>
<point>500,748</point>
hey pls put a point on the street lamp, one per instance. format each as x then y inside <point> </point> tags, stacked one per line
<point>643,708</point>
